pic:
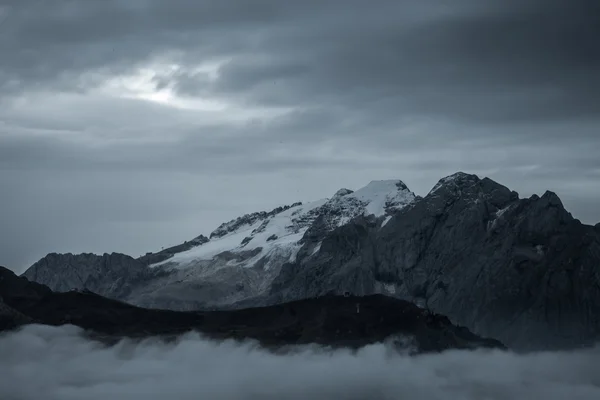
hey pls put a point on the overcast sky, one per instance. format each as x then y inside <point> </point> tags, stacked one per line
<point>129,125</point>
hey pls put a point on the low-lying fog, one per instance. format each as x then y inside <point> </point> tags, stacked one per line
<point>46,363</point>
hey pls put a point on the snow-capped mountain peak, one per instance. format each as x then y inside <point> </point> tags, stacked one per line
<point>248,220</point>
<point>383,197</point>
<point>281,230</point>
<point>242,257</point>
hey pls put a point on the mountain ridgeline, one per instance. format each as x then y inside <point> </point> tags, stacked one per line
<point>523,271</point>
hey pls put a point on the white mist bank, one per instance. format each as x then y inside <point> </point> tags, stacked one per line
<point>46,363</point>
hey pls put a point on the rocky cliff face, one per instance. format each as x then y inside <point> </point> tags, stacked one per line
<point>113,275</point>
<point>165,254</point>
<point>523,271</point>
<point>520,270</point>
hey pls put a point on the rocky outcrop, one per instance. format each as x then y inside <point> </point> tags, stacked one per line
<point>114,275</point>
<point>333,321</point>
<point>165,254</point>
<point>248,219</point>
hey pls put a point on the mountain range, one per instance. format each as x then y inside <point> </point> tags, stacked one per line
<point>332,321</point>
<point>523,271</point>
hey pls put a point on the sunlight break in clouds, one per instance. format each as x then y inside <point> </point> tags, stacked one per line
<point>143,85</point>
<point>154,83</point>
<point>41,362</point>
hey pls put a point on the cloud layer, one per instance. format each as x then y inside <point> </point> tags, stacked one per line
<point>194,112</point>
<point>194,368</point>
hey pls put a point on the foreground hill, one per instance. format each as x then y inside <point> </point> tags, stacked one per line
<point>331,320</point>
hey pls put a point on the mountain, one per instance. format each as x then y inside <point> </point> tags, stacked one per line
<point>113,274</point>
<point>238,262</point>
<point>333,321</point>
<point>521,270</point>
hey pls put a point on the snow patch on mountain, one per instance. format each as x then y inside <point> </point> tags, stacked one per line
<point>501,212</point>
<point>284,229</point>
<point>386,220</point>
<point>316,249</point>
<point>385,288</point>
<point>247,220</point>
<point>497,216</point>
<point>280,232</point>
<point>383,197</point>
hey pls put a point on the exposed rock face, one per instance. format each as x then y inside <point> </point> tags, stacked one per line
<point>153,258</point>
<point>208,284</point>
<point>113,275</point>
<point>332,321</point>
<point>248,219</point>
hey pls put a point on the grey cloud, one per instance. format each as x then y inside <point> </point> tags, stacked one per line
<point>193,153</point>
<point>195,368</point>
<point>517,61</point>
<point>53,44</point>
<point>371,90</point>
<point>505,61</point>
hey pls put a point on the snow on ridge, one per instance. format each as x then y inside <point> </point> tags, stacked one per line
<point>383,196</point>
<point>498,216</point>
<point>247,220</point>
<point>281,230</point>
<point>501,212</point>
<point>386,220</point>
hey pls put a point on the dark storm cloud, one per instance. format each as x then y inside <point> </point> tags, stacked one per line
<point>502,61</point>
<point>514,61</point>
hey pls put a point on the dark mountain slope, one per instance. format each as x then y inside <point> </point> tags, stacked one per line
<point>330,320</point>
<point>524,271</point>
